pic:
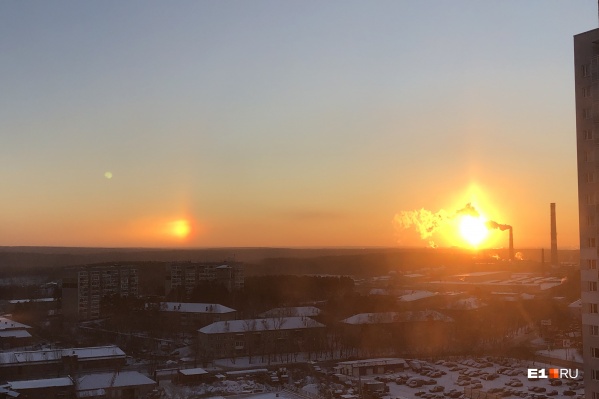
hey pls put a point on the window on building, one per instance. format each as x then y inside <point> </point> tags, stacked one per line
<point>587,134</point>
<point>594,330</point>
<point>595,374</point>
<point>587,113</point>
<point>590,177</point>
<point>592,263</point>
<point>585,70</point>
<point>595,395</point>
<point>591,242</point>
<point>593,308</point>
<point>586,91</point>
<point>592,286</point>
<point>590,199</point>
<point>588,156</point>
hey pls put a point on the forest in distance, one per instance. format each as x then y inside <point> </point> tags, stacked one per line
<point>15,261</point>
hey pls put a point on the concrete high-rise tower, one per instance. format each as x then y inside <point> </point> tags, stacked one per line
<point>586,63</point>
<point>554,260</point>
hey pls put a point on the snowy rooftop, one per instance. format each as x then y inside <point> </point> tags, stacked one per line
<point>15,301</point>
<point>307,311</point>
<point>14,334</point>
<point>196,371</point>
<point>108,380</point>
<point>11,358</point>
<point>576,304</point>
<point>8,324</point>
<point>45,383</point>
<point>7,392</point>
<point>397,317</point>
<point>237,326</point>
<point>469,303</point>
<point>373,362</point>
<point>194,307</point>
<point>411,296</point>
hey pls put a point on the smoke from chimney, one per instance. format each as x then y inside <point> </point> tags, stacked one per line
<point>494,225</point>
<point>427,222</point>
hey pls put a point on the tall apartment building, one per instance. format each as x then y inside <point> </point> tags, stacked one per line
<point>189,275</point>
<point>83,288</point>
<point>586,61</point>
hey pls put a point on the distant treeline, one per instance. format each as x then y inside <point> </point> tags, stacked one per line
<point>363,265</point>
<point>288,289</point>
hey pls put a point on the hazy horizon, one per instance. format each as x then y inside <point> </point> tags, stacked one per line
<point>288,125</point>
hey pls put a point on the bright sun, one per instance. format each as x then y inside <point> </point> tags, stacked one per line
<point>473,229</point>
<point>180,228</point>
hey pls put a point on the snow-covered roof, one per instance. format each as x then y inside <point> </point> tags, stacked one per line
<point>374,362</point>
<point>411,296</point>
<point>187,307</point>
<point>15,301</point>
<point>8,324</point>
<point>196,371</point>
<point>469,303</point>
<point>112,380</point>
<point>397,317</point>
<point>307,311</point>
<point>282,323</point>
<point>379,291</point>
<point>14,334</point>
<point>6,391</point>
<point>92,393</point>
<point>52,355</point>
<point>576,304</point>
<point>44,383</point>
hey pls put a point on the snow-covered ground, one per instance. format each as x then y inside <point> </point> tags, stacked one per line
<point>469,374</point>
<point>569,354</point>
<point>452,375</point>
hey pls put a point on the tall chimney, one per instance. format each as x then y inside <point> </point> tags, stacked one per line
<point>553,236</point>
<point>542,257</point>
<point>511,243</point>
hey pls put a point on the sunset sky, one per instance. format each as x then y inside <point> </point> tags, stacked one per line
<point>285,123</point>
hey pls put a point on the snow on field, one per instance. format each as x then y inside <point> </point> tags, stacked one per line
<point>564,354</point>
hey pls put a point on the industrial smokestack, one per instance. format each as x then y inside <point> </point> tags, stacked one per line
<point>542,256</point>
<point>494,225</point>
<point>511,243</point>
<point>553,236</point>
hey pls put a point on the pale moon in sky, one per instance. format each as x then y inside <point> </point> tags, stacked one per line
<point>108,175</point>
